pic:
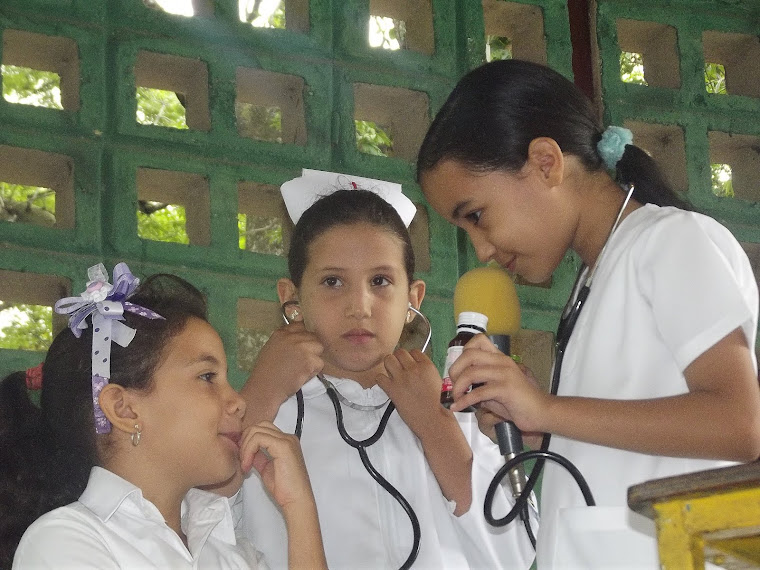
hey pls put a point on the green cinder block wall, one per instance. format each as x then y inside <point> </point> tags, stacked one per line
<point>106,145</point>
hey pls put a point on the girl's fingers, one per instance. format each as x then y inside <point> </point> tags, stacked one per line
<point>267,439</point>
<point>482,342</point>
<point>474,397</point>
<point>482,374</point>
<point>476,356</point>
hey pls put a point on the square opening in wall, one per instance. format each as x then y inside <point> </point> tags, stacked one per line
<point>738,54</point>
<point>256,320</point>
<point>185,8</point>
<point>168,85</point>
<point>656,44</point>
<point>397,116</point>
<point>402,24</point>
<point>269,106</point>
<point>514,30</point>
<point>40,70</point>
<point>260,122</point>
<point>27,320</point>
<point>735,165</point>
<point>667,146</point>
<point>36,187</point>
<point>173,206</point>
<point>281,14</point>
<point>263,223</point>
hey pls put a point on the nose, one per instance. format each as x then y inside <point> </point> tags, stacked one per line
<point>483,248</point>
<point>359,303</point>
<point>235,405</point>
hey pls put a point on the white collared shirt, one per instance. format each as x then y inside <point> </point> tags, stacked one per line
<point>113,526</point>
<point>362,525</point>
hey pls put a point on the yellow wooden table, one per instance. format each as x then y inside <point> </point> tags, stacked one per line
<point>709,515</point>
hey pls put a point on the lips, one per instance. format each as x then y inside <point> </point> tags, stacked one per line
<point>358,336</point>
<point>233,436</point>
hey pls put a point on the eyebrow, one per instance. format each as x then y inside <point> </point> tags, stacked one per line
<point>203,358</point>
<point>387,268</point>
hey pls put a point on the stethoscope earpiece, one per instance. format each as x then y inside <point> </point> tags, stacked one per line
<point>291,311</point>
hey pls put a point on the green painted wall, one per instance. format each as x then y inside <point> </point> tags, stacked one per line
<point>107,145</point>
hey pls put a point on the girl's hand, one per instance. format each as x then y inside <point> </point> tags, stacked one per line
<point>413,384</point>
<point>289,359</point>
<point>507,389</point>
<point>278,459</point>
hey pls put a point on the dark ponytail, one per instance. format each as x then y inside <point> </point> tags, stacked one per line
<point>47,452</point>
<point>638,168</point>
<point>497,109</point>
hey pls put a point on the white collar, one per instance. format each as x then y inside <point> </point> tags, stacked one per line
<point>350,389</point>
<point>204,513</point>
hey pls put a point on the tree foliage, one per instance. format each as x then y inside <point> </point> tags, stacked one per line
<point>498,48</point>
<point>632,68</point>
<point>25,327</point>
<point>31,86</point>
<point>259,122</point>
<point>160,108</point>
<point>372,139</point>
<point>715,78</point>
<point>254,12</point>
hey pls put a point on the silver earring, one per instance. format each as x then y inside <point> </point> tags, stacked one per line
<point>136,435</point>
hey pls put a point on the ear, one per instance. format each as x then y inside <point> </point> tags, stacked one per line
<point>416,293</point>
<point>545,158</point>
<point>117,404</point>
<point>286,290</point>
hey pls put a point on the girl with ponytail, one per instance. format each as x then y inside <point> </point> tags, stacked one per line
<point>659,375</point>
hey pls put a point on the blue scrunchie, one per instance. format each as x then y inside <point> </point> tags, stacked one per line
<point>612,145</point>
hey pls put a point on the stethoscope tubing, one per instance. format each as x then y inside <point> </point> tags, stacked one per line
<point>361,446</point>
<point>567,323</point>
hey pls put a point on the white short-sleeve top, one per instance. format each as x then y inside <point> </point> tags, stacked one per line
<point>671,284</point>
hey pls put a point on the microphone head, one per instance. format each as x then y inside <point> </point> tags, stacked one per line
<point>489,290</point>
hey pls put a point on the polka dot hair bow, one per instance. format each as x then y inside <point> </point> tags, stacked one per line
<point>106,304</point>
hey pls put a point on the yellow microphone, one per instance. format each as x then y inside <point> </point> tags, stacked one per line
<point>490,291</point>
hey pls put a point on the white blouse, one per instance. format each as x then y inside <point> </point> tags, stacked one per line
<point>362,525</point>
<point>113,526</point>
<point>671,285</point>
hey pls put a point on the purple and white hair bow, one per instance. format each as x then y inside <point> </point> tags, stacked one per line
<point>107,304</point>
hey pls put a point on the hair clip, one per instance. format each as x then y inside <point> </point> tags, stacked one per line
<point>34,377</point>
<point>106,304</point>
<point>612,145</point>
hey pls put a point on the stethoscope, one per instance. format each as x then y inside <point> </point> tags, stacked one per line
<point>361,445</point>
<point>568,320</point>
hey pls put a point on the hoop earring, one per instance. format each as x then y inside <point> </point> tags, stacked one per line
<point>136,435</point>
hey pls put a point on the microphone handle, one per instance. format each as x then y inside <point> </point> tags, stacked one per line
<point>507,433</point>
<point>510,444</point>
